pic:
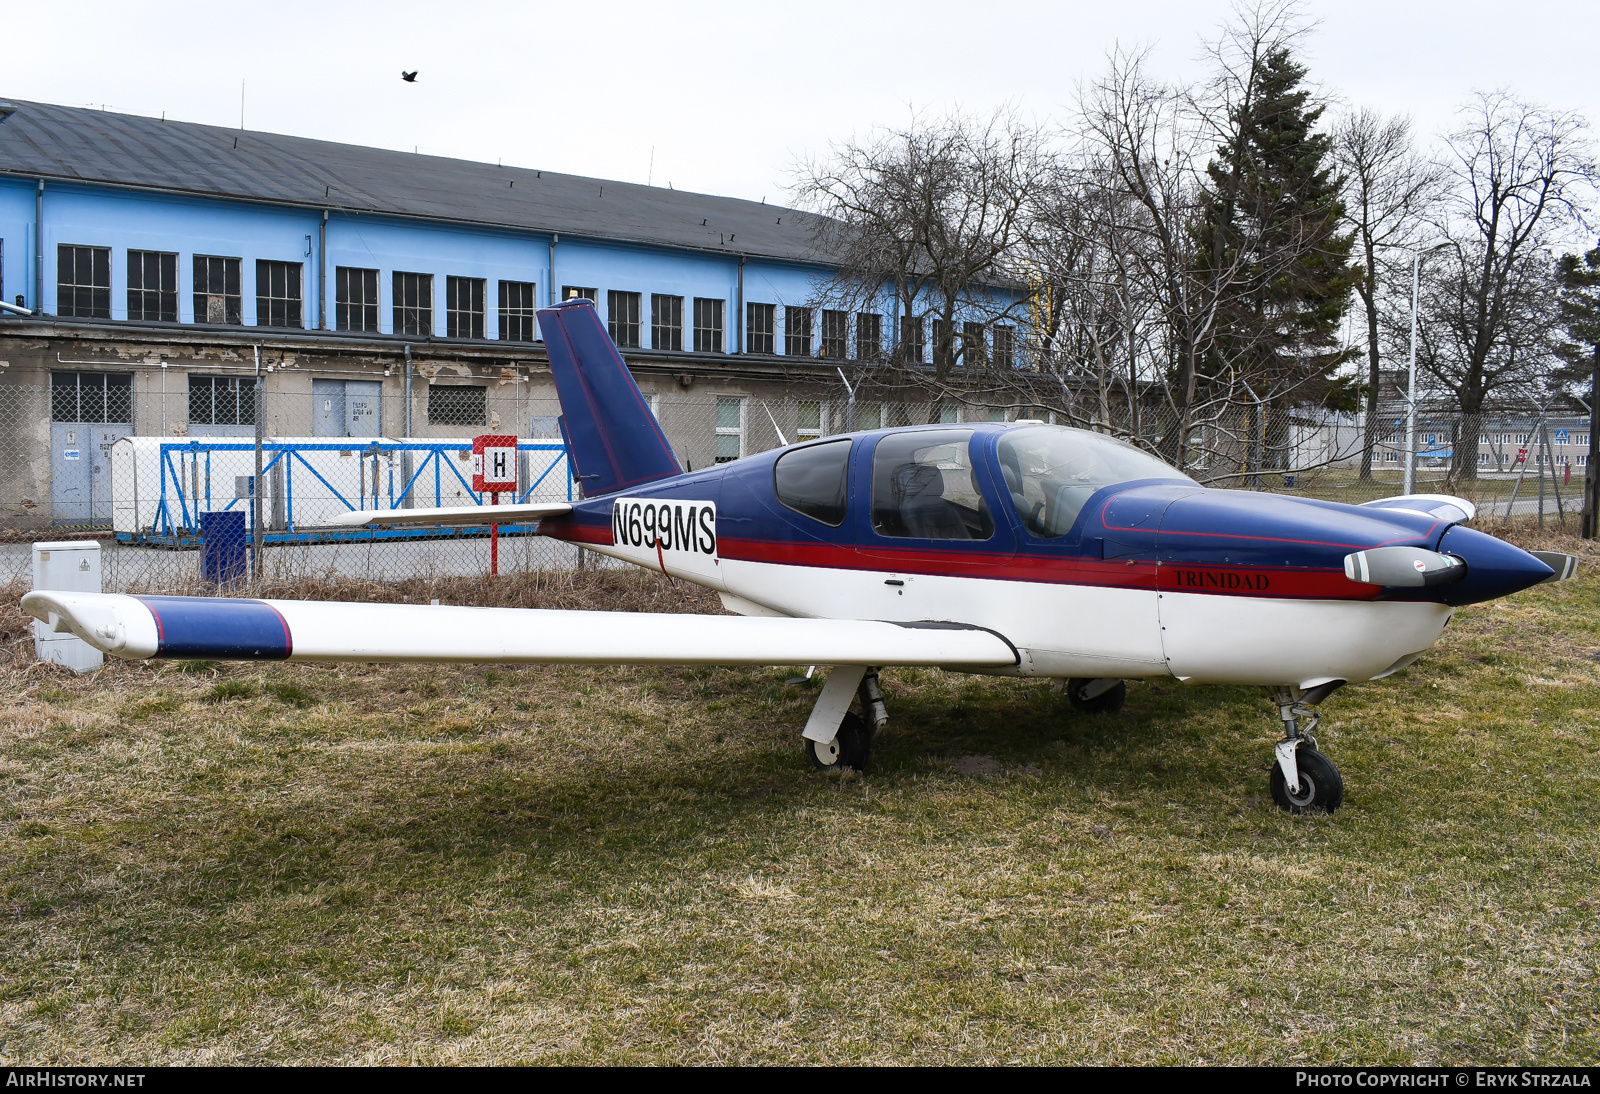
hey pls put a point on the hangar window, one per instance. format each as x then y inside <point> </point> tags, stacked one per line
<point>730,428</point>
<point>973,351</point>
<point>578,292</point>
<point>222,400</point>
<point>812,480</point>
<point>413,303</point>
<point>707,325</point>
<point>153,286</point>
<point>797,332</point>
<point>808,420</point>
<point>835,335</point>
<point>463,307</point>
<point>91,397</point>
<point>912,346</point>
<point>356,299</point>
<point>666,322</point>
<point>216,290</point>
<point>277,294</point>
<point>457,405</point>
<point>923,487</point>
<point>83,282</point>
<point>869,336</point>
<point>1005,347</point>
<point>760,323</point>
<point>1050,472</point>
<point>516,311</point>
<point>623,311</point>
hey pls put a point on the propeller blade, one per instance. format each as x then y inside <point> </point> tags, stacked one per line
<point>1564,565</point>
<point>1411,567</point>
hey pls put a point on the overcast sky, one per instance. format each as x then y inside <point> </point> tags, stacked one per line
<point>724,98</point>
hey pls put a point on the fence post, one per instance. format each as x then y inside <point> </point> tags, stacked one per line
<point>257,565</point>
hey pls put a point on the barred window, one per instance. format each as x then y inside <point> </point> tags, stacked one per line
<point>760,323</point>
<point>730,428</point>
<point>463,307</point>
<point>623,311</point>
<point>91,397</point>
<point>797,332</point>
<point>457,405</point>
<point>1005,342</point>
<point>83,282</point>
<point>666,322</point>
<point>808,420</point>
<point>972,346</point>
<point>707,325</point>
<point>222,400</point>
<point>413,303</point>
<point>912,346</point>
<point>216,290</point>
<point>355,299</point>
<point>576,292</point>
<point>153,286</point>
<point>516,311</point>
<point>869,336</point>
<point>277,294</point>
<point>836,335</point>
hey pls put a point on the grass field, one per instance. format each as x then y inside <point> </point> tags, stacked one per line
<point>204,863</point>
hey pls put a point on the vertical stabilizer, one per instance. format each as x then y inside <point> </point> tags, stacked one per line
<point>613,440</point>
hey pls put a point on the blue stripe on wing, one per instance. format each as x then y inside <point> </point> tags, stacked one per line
<point>223,628</point>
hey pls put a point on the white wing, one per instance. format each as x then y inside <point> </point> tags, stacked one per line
<point>300,630</point>
<point>453,515</point>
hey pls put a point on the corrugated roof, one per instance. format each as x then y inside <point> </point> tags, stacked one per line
<point>95,146</point>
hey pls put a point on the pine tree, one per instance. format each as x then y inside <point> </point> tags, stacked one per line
<point>1269,236</point>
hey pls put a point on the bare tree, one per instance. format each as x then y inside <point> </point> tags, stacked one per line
<point>931,215</point>
<point>1519,174</point>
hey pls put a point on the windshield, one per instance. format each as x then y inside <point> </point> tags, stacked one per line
<point>1051,471</point>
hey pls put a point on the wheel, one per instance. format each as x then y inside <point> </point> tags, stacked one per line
<point>849,748</point>
<point>1321,788</point>
<point>1107,702</point>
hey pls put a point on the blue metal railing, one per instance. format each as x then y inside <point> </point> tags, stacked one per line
<point>177,515</point>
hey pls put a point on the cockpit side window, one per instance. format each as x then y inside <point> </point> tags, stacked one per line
<point>1051,472</point>
<point>812,480</point>
<point>923,487</point>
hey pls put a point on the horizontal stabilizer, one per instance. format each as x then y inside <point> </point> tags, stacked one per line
<point>1444,506</point>
<point>223,628</point>
<point>452,516</point>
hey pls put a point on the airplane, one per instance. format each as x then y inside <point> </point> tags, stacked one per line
<point>1011,549</point>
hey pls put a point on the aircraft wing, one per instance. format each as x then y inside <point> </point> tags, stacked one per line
<point>222,628</point>
<point>455,515</point>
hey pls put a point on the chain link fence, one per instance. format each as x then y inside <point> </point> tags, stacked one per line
<point>172,501</point>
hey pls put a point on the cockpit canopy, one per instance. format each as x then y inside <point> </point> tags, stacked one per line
<point>1051,471</point>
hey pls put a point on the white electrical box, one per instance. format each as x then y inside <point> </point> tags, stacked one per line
<point>70,567</point>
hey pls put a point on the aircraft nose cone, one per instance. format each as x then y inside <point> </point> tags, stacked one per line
<point>1494,567</point>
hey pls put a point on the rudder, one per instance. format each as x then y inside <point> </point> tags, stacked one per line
<point>613,439</point>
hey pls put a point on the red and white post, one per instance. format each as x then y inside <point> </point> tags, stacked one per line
<point>494,470</point>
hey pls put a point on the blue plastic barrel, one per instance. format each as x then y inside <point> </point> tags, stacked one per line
<point>222,547</point>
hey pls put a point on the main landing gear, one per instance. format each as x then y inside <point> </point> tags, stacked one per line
<point>1097,696</point>
<point>1303,780</point>
<point>835,736</point>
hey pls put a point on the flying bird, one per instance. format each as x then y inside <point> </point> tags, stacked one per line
<point>409,77</point>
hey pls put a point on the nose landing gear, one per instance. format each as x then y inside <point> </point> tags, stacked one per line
<point>1303,780</point>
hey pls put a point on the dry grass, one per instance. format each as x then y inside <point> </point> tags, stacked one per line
<point>204,863</point>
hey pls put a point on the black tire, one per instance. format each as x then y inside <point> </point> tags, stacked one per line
<point>1321,788</point>
<point>851,748</point>
<point>1107,702</point>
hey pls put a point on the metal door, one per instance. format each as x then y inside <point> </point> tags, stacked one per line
<point>327,408</point>
<point>69,473</point>
<point>363,408</point>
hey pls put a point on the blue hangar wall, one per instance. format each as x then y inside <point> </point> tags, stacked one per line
<point>126,220</point>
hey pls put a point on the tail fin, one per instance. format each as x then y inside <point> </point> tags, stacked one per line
<point>612,438</point>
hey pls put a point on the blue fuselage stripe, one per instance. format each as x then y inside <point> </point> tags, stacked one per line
<point>226,629</point>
